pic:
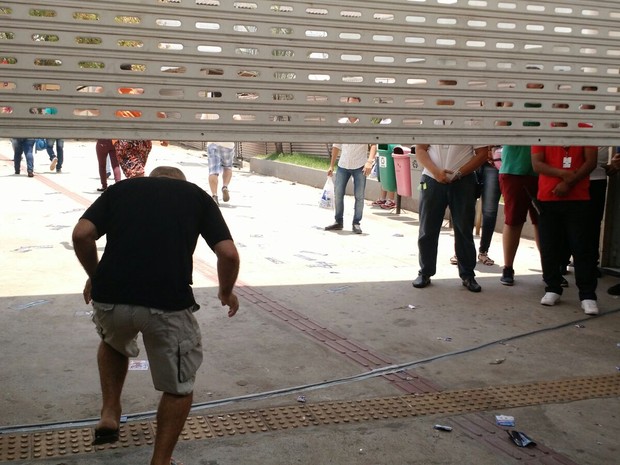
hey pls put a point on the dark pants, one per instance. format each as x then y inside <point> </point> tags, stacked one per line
<point>598,191</point>
<point>596,212</point>
<point>105,149</point>
<point>460,197</point>
<point>563,224</point>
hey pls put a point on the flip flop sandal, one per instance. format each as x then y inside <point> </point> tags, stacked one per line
<point>105,436</point>
<point>454,260</point>
<point>484,258</point>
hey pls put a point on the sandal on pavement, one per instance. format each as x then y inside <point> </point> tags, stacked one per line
<point>484,258</point>
<point>105,436</point>
<point>378,202</point>
<point>454,260</point>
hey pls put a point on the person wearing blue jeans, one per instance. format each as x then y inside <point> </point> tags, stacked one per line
<point>448,181</point>
<point>23,146</point>
<point>57,158</point>
<point>490,201</point>
<point>488,178</point>
<point>354,161</point>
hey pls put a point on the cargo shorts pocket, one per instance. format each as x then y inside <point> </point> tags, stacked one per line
<point>190,358</point>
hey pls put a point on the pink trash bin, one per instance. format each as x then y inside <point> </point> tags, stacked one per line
<point>402,170</point>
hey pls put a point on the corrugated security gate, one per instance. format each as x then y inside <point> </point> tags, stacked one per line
<point>414,71</point>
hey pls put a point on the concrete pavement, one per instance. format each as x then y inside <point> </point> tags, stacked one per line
<point>298,281</point>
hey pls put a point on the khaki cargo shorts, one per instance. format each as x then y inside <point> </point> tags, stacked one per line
<point>172,341</point>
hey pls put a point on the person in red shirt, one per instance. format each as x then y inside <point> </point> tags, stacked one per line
<point>563,197</point>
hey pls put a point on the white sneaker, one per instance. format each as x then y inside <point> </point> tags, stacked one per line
<point>589,306</point>
<point>550,299</point>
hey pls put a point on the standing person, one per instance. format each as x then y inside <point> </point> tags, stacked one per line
<point>132,156</point>
<point>385,200</point>
<point>448,180</point>
<point>489,196</point>
<point>598,194</point>
<point>519,185</point>
<point>488,177</point>
<point>106,153</point>
<point>221,156</point>
<point>612,169</point>
<point>563,194</point>
<point>23,146</point>
<point>354,161</point>
<point>143,284</point>
<point>56,159</point>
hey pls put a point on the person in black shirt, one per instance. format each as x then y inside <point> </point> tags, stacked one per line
<point>143,285</point>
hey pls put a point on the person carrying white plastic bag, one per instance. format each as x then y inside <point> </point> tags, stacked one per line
<point>327,196</point>
<point>354,162</point>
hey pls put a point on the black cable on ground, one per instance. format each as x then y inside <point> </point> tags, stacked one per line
<point>295,389</point>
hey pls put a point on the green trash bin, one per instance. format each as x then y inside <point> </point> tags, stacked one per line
<point>387,173</point>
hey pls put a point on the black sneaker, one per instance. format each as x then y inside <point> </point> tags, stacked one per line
<point>508,276</point>
<point>472,285</point>
<point>614,290</point>
<point>334,227</point>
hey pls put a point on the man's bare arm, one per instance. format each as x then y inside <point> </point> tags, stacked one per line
<point>227,272</point>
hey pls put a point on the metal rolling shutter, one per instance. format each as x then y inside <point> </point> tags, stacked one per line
<point>449,71</point>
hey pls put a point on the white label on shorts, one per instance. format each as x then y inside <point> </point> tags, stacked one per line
<point>139,365</point>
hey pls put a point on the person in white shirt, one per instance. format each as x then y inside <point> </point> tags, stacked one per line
<point>355,162</point>
<point>448,180</point>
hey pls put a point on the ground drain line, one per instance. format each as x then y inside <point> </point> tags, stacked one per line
<point>59,443</point>
<point>295,389</point>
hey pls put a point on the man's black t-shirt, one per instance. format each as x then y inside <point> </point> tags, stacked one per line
<point>152,226</point>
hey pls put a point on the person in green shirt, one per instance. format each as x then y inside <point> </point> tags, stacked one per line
<point>519,185</point>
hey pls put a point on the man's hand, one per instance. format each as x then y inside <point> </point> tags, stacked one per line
<point>444,176</point>
<point>561,190</point>
<point>569,177</point>
<point>232,301</point>
<point>87,290</point>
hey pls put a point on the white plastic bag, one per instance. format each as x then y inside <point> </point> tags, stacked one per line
<point>327,196</point>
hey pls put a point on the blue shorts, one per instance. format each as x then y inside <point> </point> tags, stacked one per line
<point>220,158</point>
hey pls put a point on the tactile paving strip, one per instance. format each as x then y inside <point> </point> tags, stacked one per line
<point>59,443</point>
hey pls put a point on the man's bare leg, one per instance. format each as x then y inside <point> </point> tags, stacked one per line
<point>226,176</point>
<point>171,415</point>
<point>112,373</point>
<point>511,236</point>
<point>213,180</point>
